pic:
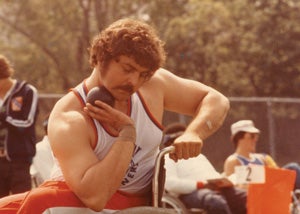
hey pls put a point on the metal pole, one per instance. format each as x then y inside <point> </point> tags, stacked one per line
<point>271,130</point>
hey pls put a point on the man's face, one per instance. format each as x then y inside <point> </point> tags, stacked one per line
<point>250,140</point>
<point>123,76</point>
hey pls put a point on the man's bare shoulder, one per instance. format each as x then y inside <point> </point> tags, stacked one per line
<point>162,75</point>
<point>156,86</point>
<point>67,120</point>
<point>158,78</point>
<point>231,159</point>
<point>67,103</point>
<point>230,162</point>
<point>68,111</point>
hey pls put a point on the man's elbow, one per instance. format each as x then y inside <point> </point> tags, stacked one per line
<point>95,203</point>
<point>225,103</point>
<point>93,200</point>
<point>221,102</point>
<point>223,106</point>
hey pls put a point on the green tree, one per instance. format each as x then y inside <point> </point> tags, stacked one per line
<point>48,40</point>
<point>41,48</point>
<point>265,47</point>
<point>198,42</point>
<point>241,47</point>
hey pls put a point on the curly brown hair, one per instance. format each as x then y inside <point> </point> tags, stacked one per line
<point>128,37</point>
<point>6,69</point>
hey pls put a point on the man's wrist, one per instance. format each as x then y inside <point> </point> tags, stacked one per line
<point>127,133</point>
<point>200,184</point>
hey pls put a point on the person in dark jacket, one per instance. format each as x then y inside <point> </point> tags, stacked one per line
<point>18,113</point>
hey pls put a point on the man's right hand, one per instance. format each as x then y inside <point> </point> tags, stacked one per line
<point>186,146</point>
<point>108,115</point>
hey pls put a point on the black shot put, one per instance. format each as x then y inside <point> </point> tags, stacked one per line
<point>102,94</point>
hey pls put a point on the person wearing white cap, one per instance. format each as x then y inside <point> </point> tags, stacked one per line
<point>244,125</point>
<point>197,184</point>
<point>244,136</point>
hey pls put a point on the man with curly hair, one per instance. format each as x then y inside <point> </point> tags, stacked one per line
<point>105,155</point>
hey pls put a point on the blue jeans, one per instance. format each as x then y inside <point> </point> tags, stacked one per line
<point>295,167</point>
<point>225,201</point>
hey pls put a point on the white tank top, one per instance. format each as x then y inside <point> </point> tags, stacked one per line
<point>149,133</point>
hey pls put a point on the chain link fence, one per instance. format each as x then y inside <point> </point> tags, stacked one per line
<point>277,118</point>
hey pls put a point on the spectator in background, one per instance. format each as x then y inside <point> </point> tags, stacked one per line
<point>198,185</point>
<point>43,159</point>
<point>188,179</point>
<point>18,112</point>
<point>244,136</point>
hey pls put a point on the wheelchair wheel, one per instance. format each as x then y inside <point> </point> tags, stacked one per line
<point>169,201</point>
<point>173,202</point>
<point>146,210</point>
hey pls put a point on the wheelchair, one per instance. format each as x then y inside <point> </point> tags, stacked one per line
<point>162,201</point>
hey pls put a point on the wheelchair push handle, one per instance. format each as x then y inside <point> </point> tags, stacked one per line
<point>157,171</point>
<point>171,132</point>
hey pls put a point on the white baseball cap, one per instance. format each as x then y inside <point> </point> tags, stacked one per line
<point>244,126</point>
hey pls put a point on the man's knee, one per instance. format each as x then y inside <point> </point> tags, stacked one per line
<point>215,203</point>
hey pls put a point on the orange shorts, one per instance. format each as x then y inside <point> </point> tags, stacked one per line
<point>57,194</point>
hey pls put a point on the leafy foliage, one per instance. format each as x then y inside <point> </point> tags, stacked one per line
<point>240,47</point>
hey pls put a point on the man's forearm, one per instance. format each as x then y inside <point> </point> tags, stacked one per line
<point>103,179</point>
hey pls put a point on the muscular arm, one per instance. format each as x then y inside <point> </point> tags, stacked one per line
<point>207,106</point>
<point>209,114</point>
<point>94,181</point>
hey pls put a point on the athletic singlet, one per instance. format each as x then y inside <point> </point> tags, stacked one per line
<point>139,174</point>
<point>254,159</point>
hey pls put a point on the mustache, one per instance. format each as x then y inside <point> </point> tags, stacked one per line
<point>128,88</point>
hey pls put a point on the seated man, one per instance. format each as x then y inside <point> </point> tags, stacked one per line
<point>244,136</point>
<point>188,180</point>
